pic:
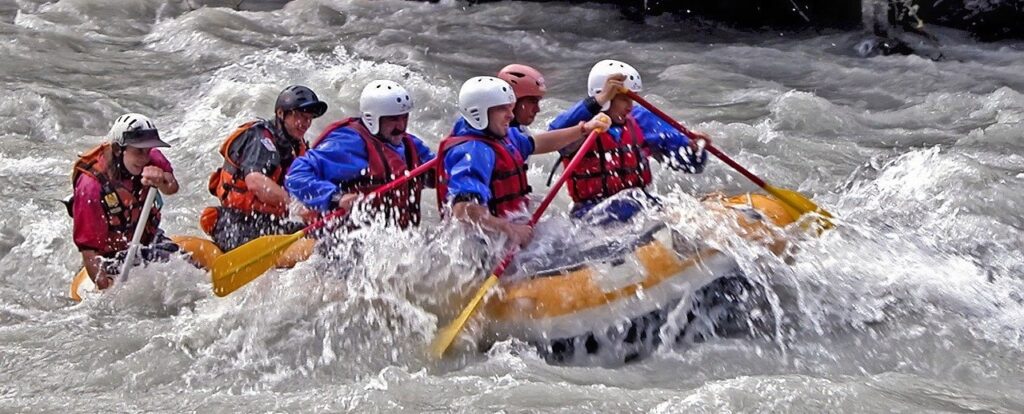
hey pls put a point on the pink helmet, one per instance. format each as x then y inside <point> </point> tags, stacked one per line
<point>525,81</point>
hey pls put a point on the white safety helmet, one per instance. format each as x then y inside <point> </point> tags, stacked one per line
<point>480,94</point>
<point>135,130</point>
<point>383,98</point>
<point>605,68</point>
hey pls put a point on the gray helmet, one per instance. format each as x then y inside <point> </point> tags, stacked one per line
<point>298,97</point>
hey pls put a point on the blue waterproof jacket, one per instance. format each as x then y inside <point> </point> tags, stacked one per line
<point>469,165</point>
<point>316,177</point>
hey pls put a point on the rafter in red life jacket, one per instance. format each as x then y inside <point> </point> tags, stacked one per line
<point>509,184</point>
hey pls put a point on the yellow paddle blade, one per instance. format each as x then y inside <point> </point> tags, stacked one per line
<point>446,336</point>
<point>235,268</point>
<point>797,205</point>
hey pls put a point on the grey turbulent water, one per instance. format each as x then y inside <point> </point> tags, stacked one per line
<point>913,303</point>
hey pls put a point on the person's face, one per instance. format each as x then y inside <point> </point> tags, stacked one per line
<point>620,107</point>
<point>499,118</point>
<point>526,109</point>
<point>135,159</point>
<point>296,123</point>
<point>392,128</point>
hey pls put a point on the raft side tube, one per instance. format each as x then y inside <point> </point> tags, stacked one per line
<point>592,298</point>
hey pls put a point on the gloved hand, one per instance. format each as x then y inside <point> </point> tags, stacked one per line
<point>695,155</point>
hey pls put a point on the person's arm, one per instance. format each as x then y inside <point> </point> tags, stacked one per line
<point>156,177</point>
<point>568,138</point>
<point>171,184</point>
<point>91,262</point>
<point>669,145</point>
<point>579,112</point>
<point>159,173</point>
<point>89,227</point>
<point>314,178</point>
<point>258,157</point>
<point>469,167</point>
<point>475,213</point>
<point>612,86</point>
<point>266,190</point>
<point>303,182</point>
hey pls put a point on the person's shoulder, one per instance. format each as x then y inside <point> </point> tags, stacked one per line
<point>339,143</point>
<point>472,146</point>
<point>523,141</point>
<point>258,133</point>
<point>345,135</point>
<point>87,186</point>
<point>157,158</point>
<point>640,112</point>
<point>255,128</point>
<point>517,134</point>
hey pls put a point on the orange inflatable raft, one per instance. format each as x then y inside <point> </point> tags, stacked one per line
<point>573,314</point>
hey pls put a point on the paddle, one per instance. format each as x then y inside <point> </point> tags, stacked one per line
<point>133,248</point>
<point>796,204</point>
<point>446,336</point>
<point>237,267</point>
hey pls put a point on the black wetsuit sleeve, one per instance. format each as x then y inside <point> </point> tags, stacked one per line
<point>257,153</point>
<point>591,104</point>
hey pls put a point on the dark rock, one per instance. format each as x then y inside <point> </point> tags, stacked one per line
<point>988,21</point>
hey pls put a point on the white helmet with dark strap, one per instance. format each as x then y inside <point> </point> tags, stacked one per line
<point>480,94</point>
<point>606,68</point>
<point>135,130</point>
<point>383,98</point>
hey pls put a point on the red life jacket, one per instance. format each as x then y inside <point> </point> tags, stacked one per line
<point>122,204</point>
<point>611,166</point>
<point>401,205</point>
<point>228,183</point>
<point>509,185</point>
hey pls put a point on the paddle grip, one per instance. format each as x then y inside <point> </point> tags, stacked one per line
<point>711,148</point>
<point>422,168</point>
